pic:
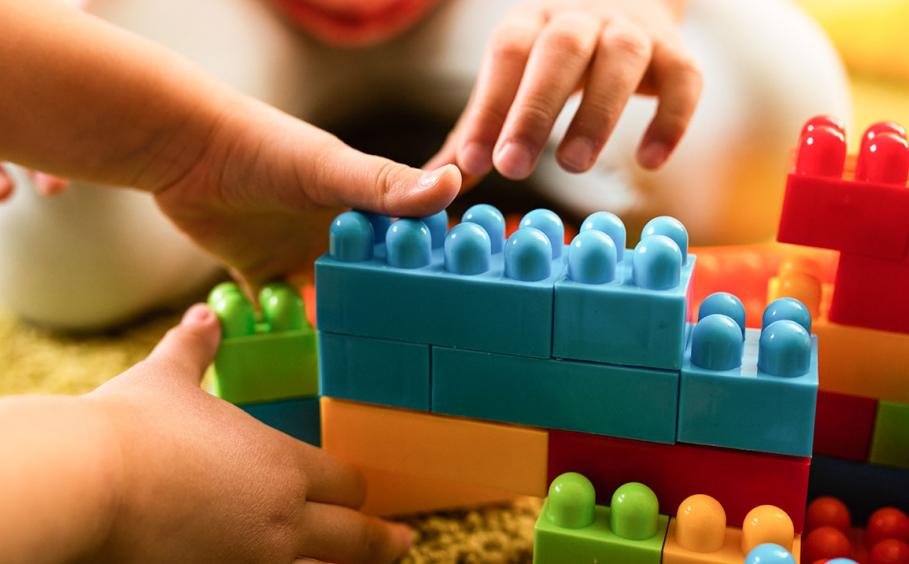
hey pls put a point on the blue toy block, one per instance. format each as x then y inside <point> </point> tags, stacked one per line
<point>863,487</point>
<point>626,307</point>
<point>374,371</point>
<point>753,392</point>
<point>299,417</point>
<point>424,286</point>
<point>617,401</point>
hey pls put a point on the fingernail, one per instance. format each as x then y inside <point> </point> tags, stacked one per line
<point>406,535</point>
<point>514,160</point>
<point>197,315</point>
<point>652,155</point>
<point>578,154</point>
<point>431,177</point>
<point>476,158</point>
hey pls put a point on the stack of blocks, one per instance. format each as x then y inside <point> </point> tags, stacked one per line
<point>862,438</point>
<point>502,363</point>
<point>268,364</point>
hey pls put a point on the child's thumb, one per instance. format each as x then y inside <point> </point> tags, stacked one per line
<point>189,348</point>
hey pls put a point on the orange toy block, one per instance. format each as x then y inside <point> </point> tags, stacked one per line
<point>509,458</point>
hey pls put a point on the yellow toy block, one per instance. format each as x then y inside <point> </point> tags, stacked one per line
<point>508,458</point>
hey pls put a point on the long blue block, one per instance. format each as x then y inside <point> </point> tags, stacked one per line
<point>747,408</point>
<point>863,487</point>
<point>620,323</point>
<point>374,370</point>
<point>300,417</point>
<point>611,400</point>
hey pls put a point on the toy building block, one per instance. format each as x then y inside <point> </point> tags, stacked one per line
<point>844,425</point>
<point>771,554</point>
<point>863,487</point>
<point>750,389</point>
<point>502,457</point>
<point>698,533</point>
<point>866,218</point>
<point>618,401</point>
<point>572,528</point>
<point>297,417</point>
<point>376,371</point>
<point>468,288</point>
<point>890,446</point>
<point>739,480</point>
<point>624,307</point>
<point>268,359</point>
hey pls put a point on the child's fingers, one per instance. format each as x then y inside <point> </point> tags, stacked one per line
<point>678,83</point>
<point>558,61</point>
<point>188,349</point>
<point>49,185</point>
<point>619,64</point>
<point>338,534</point>
<point>329,479</point>
<point>499,78</point>
<point>6,185</point>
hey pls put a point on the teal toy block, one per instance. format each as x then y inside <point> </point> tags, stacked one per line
<point>467,288</point>
<point>298,417</point>
<point>374,371</point>
<point>625,308</point>
<point>263,359</point>
<point>756,391</point>
<point>617,401</point>
<point>572,528</point>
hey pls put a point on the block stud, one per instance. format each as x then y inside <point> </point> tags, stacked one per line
<point>611,225</point>
<point>670,227</point>
<point>408,244</point>
<point>767,524</point>
<point>550,224</point>
<point>571,502</point>
<point>822,153</point>
<point>351,237</point>
<point>221,290</point>
<point>491,219</point>
<point>771,554</point>
<point>657,263</point>
<point>438,226</point>
<point>823,121</point>
<point>726,304</point>
<point>380,224</point>
<point>592,258</point>
<point>787,308</point>
<point>528,255</point>
<point>885,160</point>
<point>717,343</point>
<point>235,312</point>
<point>283,308</point>
<point>634,512</point>
<point>468,249</point>
<point>700,524</point>
<point>784,349</point>
<point>868,138</point>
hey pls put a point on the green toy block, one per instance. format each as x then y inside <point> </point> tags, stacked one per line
<point>572,528</point>
<point>267,358</point>
<point>890,445</point>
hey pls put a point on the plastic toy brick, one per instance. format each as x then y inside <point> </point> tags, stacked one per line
<point>624,307</point>
<point>263,359</point>
<point>572,528</point>
<point>770,553</point>
<point>755,391</point>
<point>844,425</point>
<point>890,446</point>
<point>502,457</point>
<point>699,535</point>
<point>374,370</point>
<point>739,480</point>
<point>557,394</point>
<point>297,417</point>
<point>863,487</point>
<point>468,288</point>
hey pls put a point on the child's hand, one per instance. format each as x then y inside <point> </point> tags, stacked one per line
<point>545,51</point>
<point>201,481</point>
<point>45,184</point>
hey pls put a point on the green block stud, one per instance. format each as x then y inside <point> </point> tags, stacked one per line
<point>268,359</point>
<point>572,528</point>
<point>890,444</point>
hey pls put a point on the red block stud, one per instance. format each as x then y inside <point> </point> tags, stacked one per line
<point>887,523</point>
<point>825,542</point>
<point>823,121</point>
<point>871,133</point>
<point>890,551</point>
<point>822,152</point>
<point>884,160</point>
<point>827,511</point>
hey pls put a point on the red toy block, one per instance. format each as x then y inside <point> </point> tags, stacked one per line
<point>844,426</point>
<point>739,480</point>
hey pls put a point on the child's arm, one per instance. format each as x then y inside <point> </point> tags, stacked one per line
<point>546,50</point>
<point>150,468</point>
<point>83,99</point>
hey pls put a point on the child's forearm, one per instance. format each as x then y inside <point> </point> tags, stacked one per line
<point>58,480</point>
<point>81,98</point>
